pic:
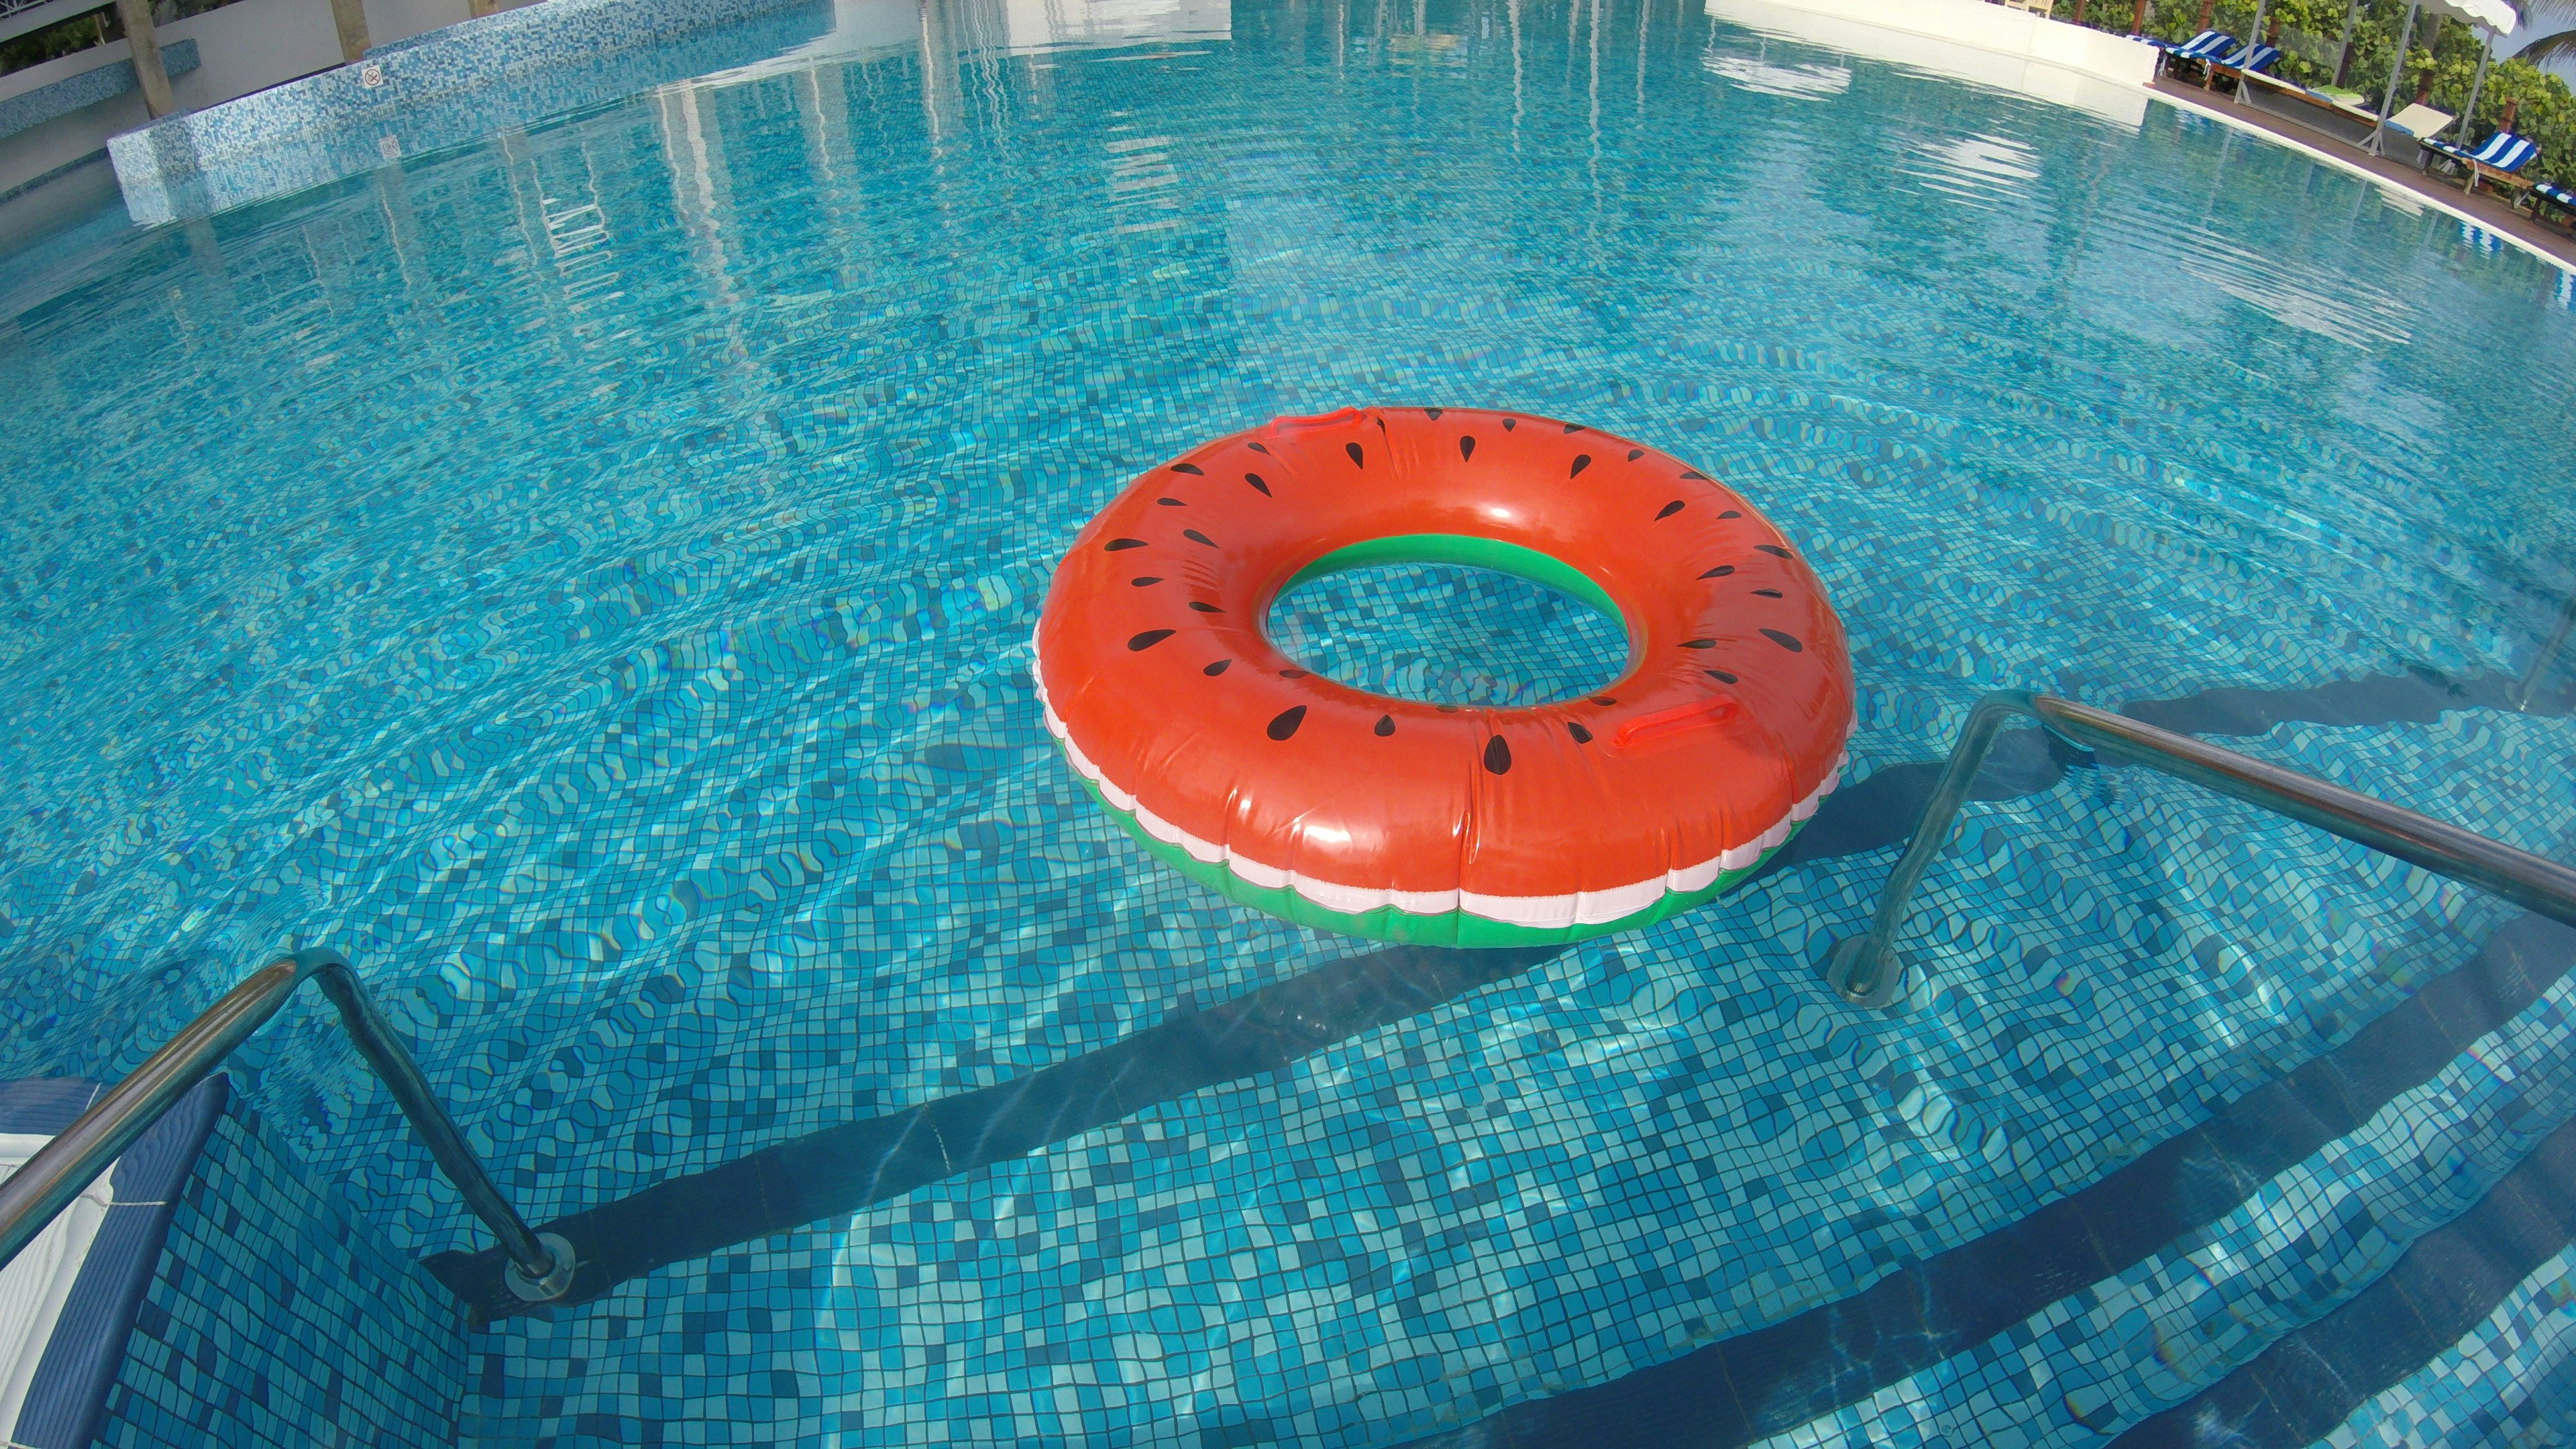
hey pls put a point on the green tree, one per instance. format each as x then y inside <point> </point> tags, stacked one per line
<point>2445,53</point>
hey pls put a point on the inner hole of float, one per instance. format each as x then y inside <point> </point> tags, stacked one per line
<point>1442,633</point>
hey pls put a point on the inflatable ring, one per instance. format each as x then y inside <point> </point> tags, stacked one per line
<point>1430,823</point>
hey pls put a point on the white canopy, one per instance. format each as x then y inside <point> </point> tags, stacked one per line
<point>2492,15</point>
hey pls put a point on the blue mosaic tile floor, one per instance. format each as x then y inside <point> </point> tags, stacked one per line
<point>585,576</point>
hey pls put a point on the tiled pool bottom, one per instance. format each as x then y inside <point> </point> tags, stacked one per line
<point>2511,1380</point>
<point>632,527</point>
<point>1367,1262</point>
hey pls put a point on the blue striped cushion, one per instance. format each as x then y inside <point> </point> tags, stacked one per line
<point>2504,150</point>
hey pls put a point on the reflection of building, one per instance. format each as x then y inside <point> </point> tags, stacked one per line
<point>1985,45</point>
<point>1038,23</point>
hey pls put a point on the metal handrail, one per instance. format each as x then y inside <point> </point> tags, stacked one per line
<point>1864,970</point>
<point>541,1264</point>
<point>2520,697</point>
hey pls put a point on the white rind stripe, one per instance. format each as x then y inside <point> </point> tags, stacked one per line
<point>1583,908</point>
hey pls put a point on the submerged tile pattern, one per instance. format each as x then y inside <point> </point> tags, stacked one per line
<point>628,529</point>
<point>279,1318</point>
<point>2512,1381</point>
<point>2128,1347</point>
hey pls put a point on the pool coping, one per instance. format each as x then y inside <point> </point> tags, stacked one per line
<point>2500,221</point>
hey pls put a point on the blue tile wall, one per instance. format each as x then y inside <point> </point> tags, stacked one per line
<point>36,107</point>
<point>453,85</point>
<point>279,1318</point>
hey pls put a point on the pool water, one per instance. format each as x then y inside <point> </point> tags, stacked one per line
<point>1449,634</point>
<point>586,576</point>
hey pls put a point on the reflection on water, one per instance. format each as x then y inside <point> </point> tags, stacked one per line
<point>589,571</point>
<point>1972,167</point>
<point>2351,310</point>
<point>1753,73</point>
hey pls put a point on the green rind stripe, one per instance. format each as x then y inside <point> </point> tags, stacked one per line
<point>1452,928</point>
<point>1459,548</point>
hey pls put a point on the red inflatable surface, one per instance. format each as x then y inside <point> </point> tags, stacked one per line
<point>1410,821</point>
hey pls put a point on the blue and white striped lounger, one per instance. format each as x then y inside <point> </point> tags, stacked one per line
<point>2252,57</point>
<point>2202,48</point>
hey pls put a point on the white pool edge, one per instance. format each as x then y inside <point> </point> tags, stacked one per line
<point>2219,113</point>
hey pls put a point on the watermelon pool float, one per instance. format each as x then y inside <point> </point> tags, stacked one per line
<point>1445,824</point>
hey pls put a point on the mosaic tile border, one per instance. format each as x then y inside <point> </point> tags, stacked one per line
<point>276,1317</point>
<point>444,88</point>
<point>36,107</point>
<point>67,1395</point>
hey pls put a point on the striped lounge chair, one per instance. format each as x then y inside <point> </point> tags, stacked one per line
<point>2200,50</point>
<point>2253,56</point>
<point>2503,155</point>
<point>2558,196</point>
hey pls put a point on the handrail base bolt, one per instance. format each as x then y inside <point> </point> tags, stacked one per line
<point>1887,991</point>
<point>550,1287</point>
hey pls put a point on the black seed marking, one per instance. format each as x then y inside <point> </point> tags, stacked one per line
<point>1432,413</point>
<point>1510,423</point>
<point>1256,447</point>
<point>1581,735</point>
<point>1730,513</point>
<point>1115,544</point>
<point>1668,510</point>
<point>1171,503</point>
<point>1213,670</point>
<point>1771,548</point>
<point>1720,675</point>
<point>1190,468</point>
<point>1581,462</point>
<point>1354,450</point>
<point>1574,427</point>
<point>1292,674</point>
<point>1498,756</point>
<point>1205,608</point>
<point>1694,473</point>
<point>1147,579</point>
<point>1148,639</point>
<point>1287,722</point>
<point>1635,453</point>
<point>1785,641</point>
<point>1700,643</point>
<point>1448,709</point>
<point>1258,486</point>
<point>1466,449</point>
<point>1603,699</point>
<point>1194,536</point>
<point>1768,593</point>
<point>1719,572</point>
<point>1385,725</point>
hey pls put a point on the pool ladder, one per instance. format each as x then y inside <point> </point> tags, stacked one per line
<point>1865,971</point>
<point>541,1265</point>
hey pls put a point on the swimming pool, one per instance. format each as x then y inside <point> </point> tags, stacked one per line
<point>586,576</point>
